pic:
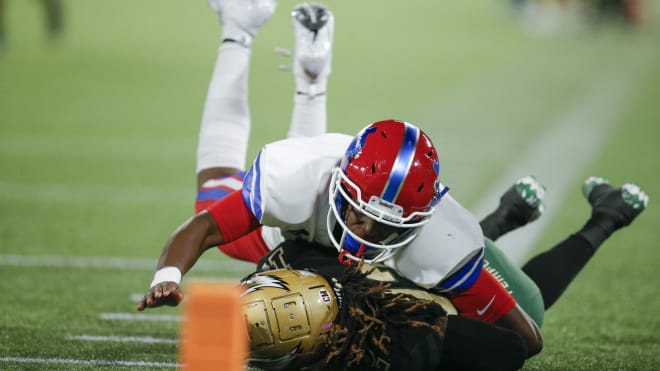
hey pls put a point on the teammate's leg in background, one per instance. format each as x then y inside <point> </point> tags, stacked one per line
<point>612,208</point>
<point>54,18</point>
<point>3,42</point>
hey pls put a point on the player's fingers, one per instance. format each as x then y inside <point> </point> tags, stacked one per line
<point>148,299</point>
<point>169,288</point>
<point>158,291</point>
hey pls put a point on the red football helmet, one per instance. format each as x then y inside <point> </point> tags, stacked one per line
<point>390,173</point>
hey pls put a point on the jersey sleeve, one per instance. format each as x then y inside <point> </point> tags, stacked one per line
<point>233,217</point>
<point>486,300</point>
<point>464,276</point>
<point>288,178</point>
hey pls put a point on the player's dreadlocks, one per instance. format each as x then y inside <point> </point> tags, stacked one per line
<point>368,309</point>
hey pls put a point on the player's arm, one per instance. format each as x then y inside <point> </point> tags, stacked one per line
<point>487,300</point>
<point>222,222</point>
<point>519,321</point>
<point>181,252</point>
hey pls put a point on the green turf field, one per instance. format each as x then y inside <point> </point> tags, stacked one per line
<point>97,153</point>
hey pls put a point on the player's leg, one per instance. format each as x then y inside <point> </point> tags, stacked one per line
<point>54,19</point>
<point>612,208</point>
<point>2,26</point>
<point>515,281</point>
<point>520,204</point>
<point>313,27</point>
<point>225,127</point>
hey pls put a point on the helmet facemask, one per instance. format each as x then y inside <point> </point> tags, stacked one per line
<point>390,216</point>
<point>390,173</point>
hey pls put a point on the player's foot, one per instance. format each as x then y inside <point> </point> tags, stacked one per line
<point>313,27</point>
<point>522,203</point>
<point>242,19</point>
<point>616,207</point>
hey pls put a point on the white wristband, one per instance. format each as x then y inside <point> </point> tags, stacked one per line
<point>166,274</point>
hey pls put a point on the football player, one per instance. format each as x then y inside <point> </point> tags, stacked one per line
<point>225,126</point>
<point>368,196</point>
<point>369,318</point>
<point>379,320</point>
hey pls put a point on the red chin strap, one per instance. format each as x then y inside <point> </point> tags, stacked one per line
<point>346,260</point>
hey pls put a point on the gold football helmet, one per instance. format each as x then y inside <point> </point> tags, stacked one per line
<point>286,312</point>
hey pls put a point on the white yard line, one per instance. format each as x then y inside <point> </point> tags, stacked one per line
<point>77,194</point>
<point>140,317</point>
<point>50,261</point>
<point>87,362</point>
<point>124,339</point>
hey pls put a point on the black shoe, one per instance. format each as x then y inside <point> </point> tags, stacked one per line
<point>620,205</point>
<point>522,203</point>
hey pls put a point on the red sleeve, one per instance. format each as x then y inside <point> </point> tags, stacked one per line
<point>487,300</point>
<point>233,218</point>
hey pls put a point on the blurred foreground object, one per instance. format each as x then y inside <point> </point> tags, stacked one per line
<point>213,335</point>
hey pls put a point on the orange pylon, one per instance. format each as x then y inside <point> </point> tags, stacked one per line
<point>213,333</point>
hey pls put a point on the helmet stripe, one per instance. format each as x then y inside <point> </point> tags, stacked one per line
<point>402,164</point>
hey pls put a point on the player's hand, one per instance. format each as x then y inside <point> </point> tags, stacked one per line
<point>164,293</point>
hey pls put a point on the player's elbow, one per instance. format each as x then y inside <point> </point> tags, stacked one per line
<point>533,338</point>
<point>534,345</point>
<point>207,228</point>
<point>474,345</point>
<point>520,322</point>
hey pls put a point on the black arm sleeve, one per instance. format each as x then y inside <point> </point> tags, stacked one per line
<point>474,345</point>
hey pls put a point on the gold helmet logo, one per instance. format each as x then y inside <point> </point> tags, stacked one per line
<point>286,313</point>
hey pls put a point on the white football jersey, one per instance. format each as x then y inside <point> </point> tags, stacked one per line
<point>287,187</point>
<point>449,250</point>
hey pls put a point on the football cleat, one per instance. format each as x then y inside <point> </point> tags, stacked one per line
<point>523,201</point>
<point>520,204</point>
<point>621,205</point>
<point>246,15</point>
<point>313,27</point>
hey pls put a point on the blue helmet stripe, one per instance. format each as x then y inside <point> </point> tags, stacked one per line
<point>402,164</point>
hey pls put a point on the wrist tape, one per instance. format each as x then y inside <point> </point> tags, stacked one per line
<point>166,274</point>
